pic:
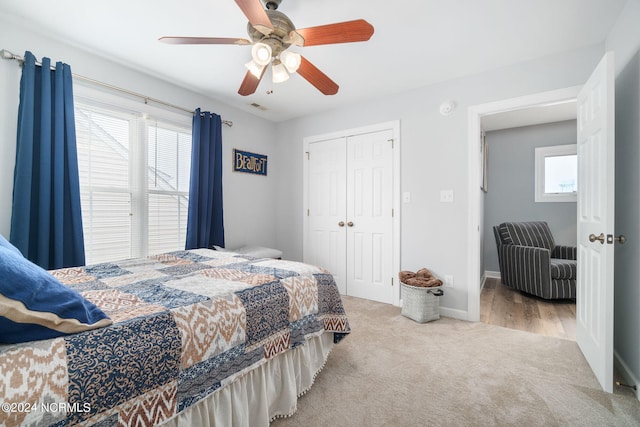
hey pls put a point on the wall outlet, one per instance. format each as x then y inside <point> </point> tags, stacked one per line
<point>448,281</point>
<point>446,196</point>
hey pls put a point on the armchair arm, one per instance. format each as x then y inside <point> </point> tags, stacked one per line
<point>525,268</point>
<point>565,252</point>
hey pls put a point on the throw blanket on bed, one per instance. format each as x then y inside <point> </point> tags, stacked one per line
<point>185,324</point>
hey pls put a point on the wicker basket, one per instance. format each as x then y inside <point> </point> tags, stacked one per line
<point>421,304</point>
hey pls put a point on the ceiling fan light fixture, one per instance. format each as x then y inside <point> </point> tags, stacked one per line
<point>261,53</point>
<point>279,72</point>
<point>291,60</point>
<point>255,68</point>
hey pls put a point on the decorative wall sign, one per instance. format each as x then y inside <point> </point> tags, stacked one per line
<point>244,161</point>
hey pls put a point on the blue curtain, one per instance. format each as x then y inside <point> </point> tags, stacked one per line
<point>46,221</point>
<point>205,224</point>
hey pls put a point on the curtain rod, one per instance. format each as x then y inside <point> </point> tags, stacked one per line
<point>5,54</point>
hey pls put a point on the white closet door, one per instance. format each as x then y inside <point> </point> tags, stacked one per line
<point>369,216</point>
<point>327,208</point>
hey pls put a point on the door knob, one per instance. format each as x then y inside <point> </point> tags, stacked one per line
<point>593,238</point>
<point>341,224</point>
<point>620,239</point>
<point>350,224</point>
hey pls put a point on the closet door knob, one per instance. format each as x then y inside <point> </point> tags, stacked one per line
<point>350,224</point>
<point>341,224</point>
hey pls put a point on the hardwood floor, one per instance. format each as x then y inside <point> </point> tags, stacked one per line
<point>506,307</point>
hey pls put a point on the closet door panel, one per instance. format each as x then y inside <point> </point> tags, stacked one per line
<point>327,208</point>
<point>369,214</point>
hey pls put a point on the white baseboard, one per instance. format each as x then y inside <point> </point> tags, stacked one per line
<point>491,274</point>
<point>627,376</point>
<point>455,313</point>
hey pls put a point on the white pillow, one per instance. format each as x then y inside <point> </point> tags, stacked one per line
<point>258,252</point>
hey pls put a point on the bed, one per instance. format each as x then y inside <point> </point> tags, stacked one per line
<point>199,337</point>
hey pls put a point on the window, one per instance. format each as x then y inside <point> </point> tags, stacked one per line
<point>169,165</point>
<point>556,171</point>
<point>104,153</point>
<point>134,181</point>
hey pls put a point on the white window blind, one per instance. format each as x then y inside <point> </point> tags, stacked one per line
<point>104,147</point>
<point>134,183</point>
<point>169,165</point>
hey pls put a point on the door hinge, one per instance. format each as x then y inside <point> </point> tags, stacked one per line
<point>393,212</point>
<point>391,141</point>
<point>307,212</point>
<point>308,155</point>
<point>392,282</point>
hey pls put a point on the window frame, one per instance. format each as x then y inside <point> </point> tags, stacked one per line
<point>164,124</point>
<point>143,116</point>
<point>541,153</point>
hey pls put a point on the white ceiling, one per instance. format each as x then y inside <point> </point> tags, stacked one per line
<point>416,42</point>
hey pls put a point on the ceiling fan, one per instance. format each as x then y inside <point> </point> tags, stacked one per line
<point>272,33</point>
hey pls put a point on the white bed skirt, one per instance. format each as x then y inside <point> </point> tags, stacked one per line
<point>256,397</point>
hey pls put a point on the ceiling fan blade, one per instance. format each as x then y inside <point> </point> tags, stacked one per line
<point>342,32</point>
<point>256,15</point>
<point>250,83</point>
<point>203,40</point>
<point>317,78</point>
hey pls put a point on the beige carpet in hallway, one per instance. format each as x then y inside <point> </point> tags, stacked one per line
<point>391,371</point>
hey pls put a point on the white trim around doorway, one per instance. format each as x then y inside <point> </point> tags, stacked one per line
<point>474,128</point>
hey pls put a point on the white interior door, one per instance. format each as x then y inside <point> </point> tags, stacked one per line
<point>596,147</point>
<point>369,216</point>
<point>327,208</point>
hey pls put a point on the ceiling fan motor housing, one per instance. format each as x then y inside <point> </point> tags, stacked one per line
<point>282,27</point>
<point>272,4</point>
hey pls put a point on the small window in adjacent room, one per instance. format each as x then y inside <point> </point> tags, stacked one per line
<point>556,171</point>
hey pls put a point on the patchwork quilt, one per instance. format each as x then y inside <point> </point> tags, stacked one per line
<point>185,324</point>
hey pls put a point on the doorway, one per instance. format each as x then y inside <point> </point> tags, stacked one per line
<point>476,115</point>
<point>512,148</point>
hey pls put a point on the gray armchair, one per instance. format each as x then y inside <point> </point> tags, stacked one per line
<point>531,262</point>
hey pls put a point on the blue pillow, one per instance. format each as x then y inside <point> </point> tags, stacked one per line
<point>4,243</point>
<point>34,305</point>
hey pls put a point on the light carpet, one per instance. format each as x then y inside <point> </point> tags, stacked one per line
<point>392,371</point>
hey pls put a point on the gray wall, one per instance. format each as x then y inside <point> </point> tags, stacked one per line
<point>511,195</point>
<point>625,41</point>
<point>627,218</point>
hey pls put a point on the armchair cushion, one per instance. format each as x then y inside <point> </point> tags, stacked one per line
<point>563,268</point>
<point>565,252</point>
